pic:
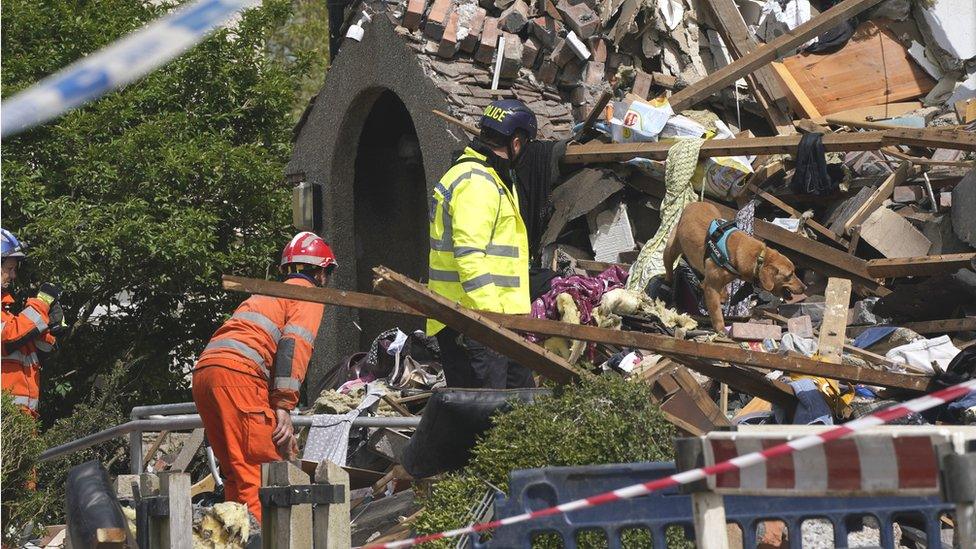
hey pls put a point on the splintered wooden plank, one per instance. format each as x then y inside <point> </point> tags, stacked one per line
<point>801,101</point>
<point>796,214</point>
<point>942,326</point>
<point>474,324</point>
<point>833,328</point>
<point>739,40</point>
<point>766,53</point>
<point>926,265</point>
<point>686,352</point>
<point>877,198</point>
<point>872,68</point>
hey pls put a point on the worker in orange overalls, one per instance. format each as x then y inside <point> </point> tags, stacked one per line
<point>28,332</point>
<point>246,381</point>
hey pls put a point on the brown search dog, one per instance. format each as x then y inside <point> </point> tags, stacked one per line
<point>756,262</point>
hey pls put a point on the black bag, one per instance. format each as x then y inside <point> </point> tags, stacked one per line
<point>91,504</point>
<point>452,421</point>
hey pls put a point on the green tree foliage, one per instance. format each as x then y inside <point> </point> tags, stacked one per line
<point>138,202</point>
<point>604,420</point>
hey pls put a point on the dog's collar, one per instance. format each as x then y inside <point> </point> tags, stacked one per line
<point>760,260</point>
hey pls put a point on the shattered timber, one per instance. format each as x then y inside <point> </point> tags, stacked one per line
<point>837,139</point>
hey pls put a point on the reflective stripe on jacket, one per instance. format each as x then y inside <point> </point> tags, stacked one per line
<point>23,335</point>
<point>479,248</point>
<point>271,338</point>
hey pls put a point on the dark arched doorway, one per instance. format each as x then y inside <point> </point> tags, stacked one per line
<point>390,197</point>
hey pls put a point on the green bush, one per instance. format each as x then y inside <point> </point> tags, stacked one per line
<point>21,446</point>
<point>603,420</point>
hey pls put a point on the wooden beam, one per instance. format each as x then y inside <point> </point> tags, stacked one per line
<point>877,198</point>
<point>622,152</point>
<point>793,212</point>
<point>739,40</point>
<point>763,55</point>
<point>926,265</point>
<point>942,326</point>
<point>787,144</point>
<point>743,380</point>
<point>473,130</point>
<point>475,325</point>
<point>677,349</point>
<point>833,327</point>
<point>801,99</point>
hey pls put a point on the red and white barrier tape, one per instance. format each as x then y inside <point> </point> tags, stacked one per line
<point>686,477</point>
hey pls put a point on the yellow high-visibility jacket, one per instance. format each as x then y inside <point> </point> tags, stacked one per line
<point>479,247</point>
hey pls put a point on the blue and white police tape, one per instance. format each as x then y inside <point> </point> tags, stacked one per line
<point>122,62</point>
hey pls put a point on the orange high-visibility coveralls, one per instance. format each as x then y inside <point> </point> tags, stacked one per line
<point>254,363</point>
<point>23,335</point>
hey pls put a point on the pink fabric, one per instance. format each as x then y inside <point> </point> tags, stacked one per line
<point>586,291</point>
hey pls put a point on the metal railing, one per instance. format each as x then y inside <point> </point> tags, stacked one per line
<point>181,416</point>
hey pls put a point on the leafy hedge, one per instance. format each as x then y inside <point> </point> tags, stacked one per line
<point>603,420</point>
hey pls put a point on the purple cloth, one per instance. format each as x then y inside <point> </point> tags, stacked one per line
<point>586,291</point>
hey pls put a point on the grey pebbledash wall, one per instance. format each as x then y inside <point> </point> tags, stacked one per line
<point>370,139</point>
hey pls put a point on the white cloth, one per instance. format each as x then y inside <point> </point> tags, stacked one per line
<point>328,438</point>
<point>922,353</point>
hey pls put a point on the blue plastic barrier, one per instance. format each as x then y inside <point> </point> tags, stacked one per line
<point>539,488</point>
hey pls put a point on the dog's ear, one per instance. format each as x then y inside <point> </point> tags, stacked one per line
<point>767,277</point>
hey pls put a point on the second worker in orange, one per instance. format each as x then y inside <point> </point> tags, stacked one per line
<point>246,381</point>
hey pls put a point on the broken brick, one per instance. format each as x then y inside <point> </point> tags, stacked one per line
<point>593,73</point>
<point>562,53</point>
<point>579,96</point>
<point>530,52</point>
<point>752,331</point>
<point>414,13</point>
<point>642,84</point>
<point>489,41</point>
<point>579,17</point>
<point>437,19</point>
<point>515,17</point>
<point>548,71</point>
<point>801,326</point>
<point>908,193</point>
<point>598,48</point>
<point>545,29</point>
<point>448,45</point>
<point>511,57</point>
<point>473,20</point>
<point>571,74</point>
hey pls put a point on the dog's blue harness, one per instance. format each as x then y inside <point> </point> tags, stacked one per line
<point>717,243</point>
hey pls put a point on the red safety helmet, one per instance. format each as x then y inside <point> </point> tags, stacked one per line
<point>309,248</point>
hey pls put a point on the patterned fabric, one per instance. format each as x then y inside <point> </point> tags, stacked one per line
<point>680,166</point>
<point>744,219</point>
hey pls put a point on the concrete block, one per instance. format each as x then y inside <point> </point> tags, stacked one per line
<point>579,17</point>
<point>472,19</point>
<point>515,17</point>
<point>801,326</point>
<point>489,41</point>
<point>414,13</point>
<point>751,331</point>
<point>578,46</point>
<point>437,19</point>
